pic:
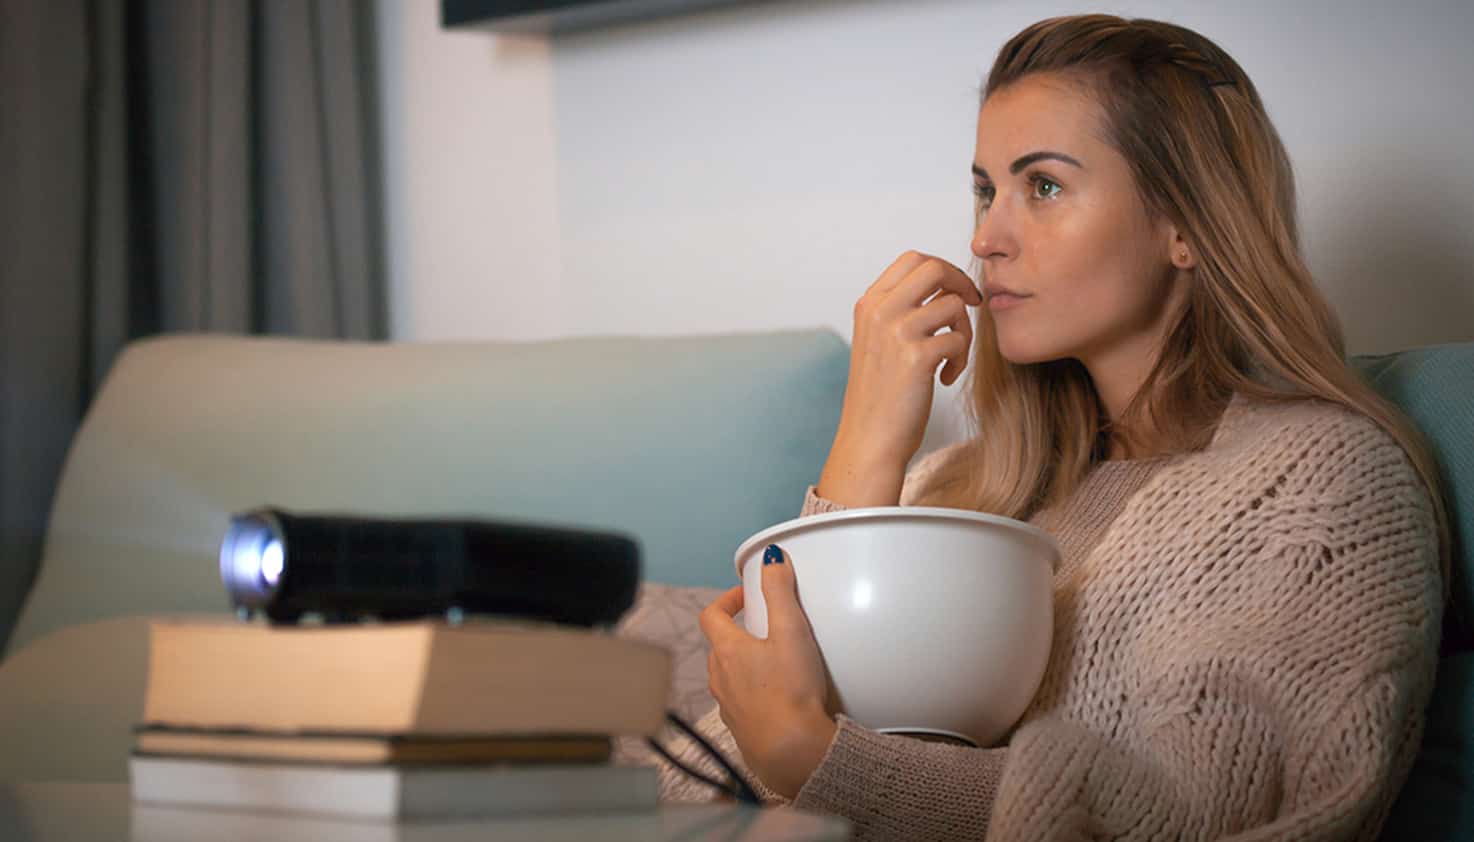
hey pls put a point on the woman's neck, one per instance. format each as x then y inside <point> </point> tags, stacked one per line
<point>1140,439</point>
<point>1116,386</point>
<point>1118,378</point>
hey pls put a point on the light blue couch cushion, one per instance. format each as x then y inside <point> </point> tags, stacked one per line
<point>688,444</point>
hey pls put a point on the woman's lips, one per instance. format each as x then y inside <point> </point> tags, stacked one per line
<point>1003,301</point>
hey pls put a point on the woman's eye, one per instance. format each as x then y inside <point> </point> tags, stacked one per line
<point>1045,189</point>
<point>984,192</point>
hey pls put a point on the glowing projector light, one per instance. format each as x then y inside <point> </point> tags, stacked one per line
<point>346,568</point>
<point>272,560</point>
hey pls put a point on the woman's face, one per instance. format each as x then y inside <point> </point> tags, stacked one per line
<point>1060,223</point>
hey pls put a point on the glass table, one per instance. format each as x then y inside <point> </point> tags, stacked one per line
<point>105,812</point>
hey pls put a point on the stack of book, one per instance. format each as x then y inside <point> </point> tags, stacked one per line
<point>396,720</point>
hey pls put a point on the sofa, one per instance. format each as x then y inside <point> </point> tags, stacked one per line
<point>689,444</point>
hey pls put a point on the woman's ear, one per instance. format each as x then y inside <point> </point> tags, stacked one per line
<point>1180,254</point>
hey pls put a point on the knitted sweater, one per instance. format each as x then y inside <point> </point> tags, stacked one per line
<point>1245,640</point>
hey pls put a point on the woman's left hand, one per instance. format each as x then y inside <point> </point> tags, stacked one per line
<point>773,694</point>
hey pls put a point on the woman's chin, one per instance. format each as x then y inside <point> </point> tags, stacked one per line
<point>1023,354</point>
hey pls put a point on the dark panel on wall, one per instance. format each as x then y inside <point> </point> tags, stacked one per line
<point>561,15</point>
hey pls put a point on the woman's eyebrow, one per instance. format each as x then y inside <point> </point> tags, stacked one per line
<point>1032,157</point>
<point>1028,159</point>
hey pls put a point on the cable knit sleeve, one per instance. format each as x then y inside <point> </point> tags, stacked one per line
<point>911,485</point>
<point>889,787</point>
<point>1268,686</point>
<point>816,505</point>
<point>893,787</point>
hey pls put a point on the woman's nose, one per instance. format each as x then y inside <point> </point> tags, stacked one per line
<point>992,237</point>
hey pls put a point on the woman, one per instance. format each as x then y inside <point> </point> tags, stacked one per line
<point>1248,608</point>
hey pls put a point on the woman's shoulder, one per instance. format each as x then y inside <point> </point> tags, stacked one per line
<point>1331,446</point>
<point>1308,481</point>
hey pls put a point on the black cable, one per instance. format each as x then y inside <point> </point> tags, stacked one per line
<point>739,787</point>
<point>744,792</point>
<point>701,776</point>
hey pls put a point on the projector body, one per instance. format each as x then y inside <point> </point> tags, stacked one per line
<point>349,568</point>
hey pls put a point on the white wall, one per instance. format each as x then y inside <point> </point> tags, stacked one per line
<point>470,189</point>
<point>756,167</point>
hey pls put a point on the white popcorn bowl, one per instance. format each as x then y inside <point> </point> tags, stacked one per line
<point>932,622</point>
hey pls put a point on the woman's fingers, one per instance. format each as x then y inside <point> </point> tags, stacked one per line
<point>953,346</point>
<point>962,326</point>
<point>935,275</point>
<point>896,272</point>
<point>895,295</point>
<point>946,310</point>
<point>716,619</point>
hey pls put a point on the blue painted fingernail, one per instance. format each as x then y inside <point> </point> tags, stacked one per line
<point>772,555</point>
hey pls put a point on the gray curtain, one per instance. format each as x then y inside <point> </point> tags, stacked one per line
<point>170,165</point>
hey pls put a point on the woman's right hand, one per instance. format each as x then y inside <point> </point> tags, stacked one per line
<point>893,361</point>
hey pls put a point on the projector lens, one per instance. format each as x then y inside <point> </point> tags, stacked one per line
<point>252,559</point>
<point>271,563</point>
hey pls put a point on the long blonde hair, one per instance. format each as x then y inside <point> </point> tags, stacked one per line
<point>1204,154</point>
